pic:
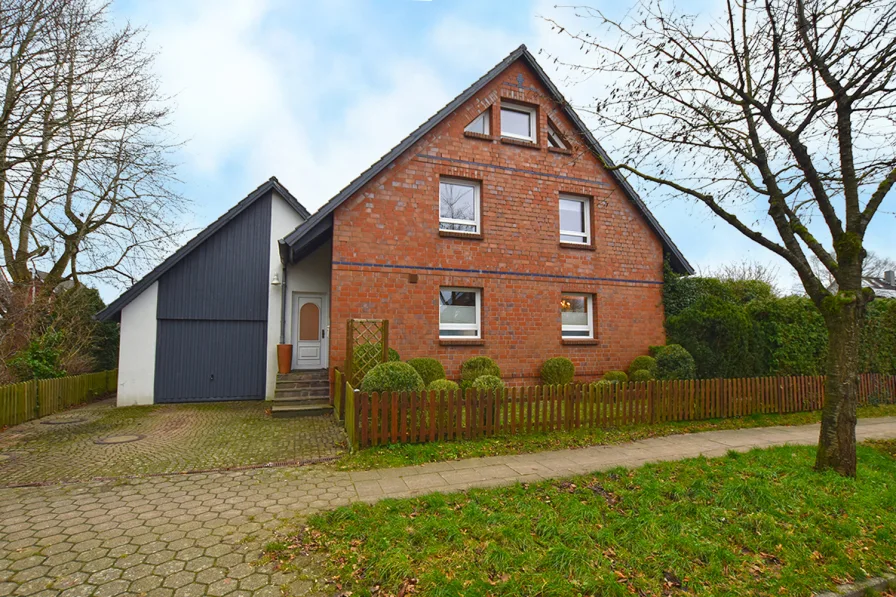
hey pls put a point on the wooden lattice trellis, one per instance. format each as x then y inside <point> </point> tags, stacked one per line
<point>366,346</point>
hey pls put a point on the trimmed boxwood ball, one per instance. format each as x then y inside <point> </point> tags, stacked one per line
<point>557,371</point>
<point>429,369</point>
<point>443,385</point>
<point>394,376</point>
<point>674,362</point>
<point>477,367</point>
<point>488,382</point>
<point>641,375</point>
<point>616,376</point>
<point>643,362</point>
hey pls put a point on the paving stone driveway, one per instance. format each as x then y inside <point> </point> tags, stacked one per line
<point>172,438</point>
<point>203,534</point>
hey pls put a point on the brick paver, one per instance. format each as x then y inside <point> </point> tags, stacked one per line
<point>172,438</point>
<point>200,534</point>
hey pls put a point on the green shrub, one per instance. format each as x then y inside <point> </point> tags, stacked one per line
<point>602,383</point>
<point>429,369</point>
<point>655,350</point>
<point>644,363</point>
<point>615,376</point>
<point>557,371</point>
<point>674,362</point>
<point>788,336</point>
<point>392,377</point>
<point>477,367</point>
<point>641,375</point>
<point>41,359</point>
<point>443,384</point>
<point>488,382</point>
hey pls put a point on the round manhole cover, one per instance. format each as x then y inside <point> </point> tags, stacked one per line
<point>64,421</point>
<point>118,439</point>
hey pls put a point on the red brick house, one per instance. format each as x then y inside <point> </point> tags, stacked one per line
<point>492,229</point>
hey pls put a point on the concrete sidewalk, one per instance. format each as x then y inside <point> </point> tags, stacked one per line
<point>501,470</point>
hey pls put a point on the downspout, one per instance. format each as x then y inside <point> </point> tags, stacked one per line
<point>283,307</point>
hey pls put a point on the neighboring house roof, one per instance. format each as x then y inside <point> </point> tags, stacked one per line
<point>114,308</point>
<point>320,221</point>
<point>881,288</point>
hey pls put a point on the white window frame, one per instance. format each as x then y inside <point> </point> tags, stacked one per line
<point>477,327</point>
<point>589,305</point>
<point>476,206</point>
<point>586,236</point>
<point>555,136</point>
<point>485,116</point>
<point>532,121</point>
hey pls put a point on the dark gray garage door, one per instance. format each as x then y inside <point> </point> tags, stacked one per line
<point>199,361</point>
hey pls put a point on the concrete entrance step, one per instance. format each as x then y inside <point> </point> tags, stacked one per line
<point>309,408</point>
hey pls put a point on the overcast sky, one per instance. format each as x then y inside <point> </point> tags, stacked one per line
<point>315,92</point>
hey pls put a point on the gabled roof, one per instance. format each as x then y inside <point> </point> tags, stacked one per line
<point>114,309</point>
<point>676,259</point>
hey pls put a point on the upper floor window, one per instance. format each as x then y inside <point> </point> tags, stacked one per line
<point>459,312</point>
<point>555,139</point>
<point>518,121</point>
<point>576,315</point>
<point>575,220</point>
<point>479,124</point>
<point>459,205</point>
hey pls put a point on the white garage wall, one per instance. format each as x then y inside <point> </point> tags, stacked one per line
<point>284,220</point>
<point>137,349</point>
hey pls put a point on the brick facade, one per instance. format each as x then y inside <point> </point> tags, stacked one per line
<point>387,235</point>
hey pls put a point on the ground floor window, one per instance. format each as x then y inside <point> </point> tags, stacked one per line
<point>459,312</point>
<point>576,315</point>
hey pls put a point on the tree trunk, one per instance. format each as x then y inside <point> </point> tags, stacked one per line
<point>837,442</point>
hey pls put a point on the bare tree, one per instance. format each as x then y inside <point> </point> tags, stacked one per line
<point>874,266</point>
<point>85,156</point>
<point>785,108</point>
<point>746,270</point>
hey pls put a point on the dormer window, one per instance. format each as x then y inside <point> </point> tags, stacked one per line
<point>479,125</point>
<point>518,122</point>
<point>555,139</point>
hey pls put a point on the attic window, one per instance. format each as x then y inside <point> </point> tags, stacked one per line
<point>479,125</point>
<point>518,121</point>
<point>555,139</point>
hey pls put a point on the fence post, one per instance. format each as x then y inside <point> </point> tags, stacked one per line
<point>349,351</point>
<point>36,398</point>
<point>651,406</point>
<point>385,339</point>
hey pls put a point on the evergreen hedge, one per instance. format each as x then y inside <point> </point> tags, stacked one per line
<point>741,329</point>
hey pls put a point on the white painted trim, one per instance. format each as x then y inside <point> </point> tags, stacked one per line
<point>477,208</point>
<point>533,121</point>
<point>589,307</point>
<point>324,322</point>
<point>137,349</point>
<point>477,327</point>
<point>586,236</point>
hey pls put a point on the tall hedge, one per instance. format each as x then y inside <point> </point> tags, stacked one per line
<point>740,329</point>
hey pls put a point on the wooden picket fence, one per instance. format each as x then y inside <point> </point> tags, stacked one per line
<point>34,399</point>
<point>410,417</point>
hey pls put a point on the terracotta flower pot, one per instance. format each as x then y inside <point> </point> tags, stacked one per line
<point>284,358</point>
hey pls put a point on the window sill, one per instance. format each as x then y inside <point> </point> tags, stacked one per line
<point>461,342</point>
<point>578,246</point>
<point>519,142</point>
<point>481,136</point>
<point>560,150</point>
<point>579,341</point>
<point>459,234</point>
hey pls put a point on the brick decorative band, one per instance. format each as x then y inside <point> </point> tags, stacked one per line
<point>514,170</point>
<point>487,272</point>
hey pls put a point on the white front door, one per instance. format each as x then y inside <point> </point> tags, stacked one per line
<point>309,332</point>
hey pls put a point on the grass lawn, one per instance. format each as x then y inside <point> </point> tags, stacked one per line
<point>410,454</point>
<point>756,523</point>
